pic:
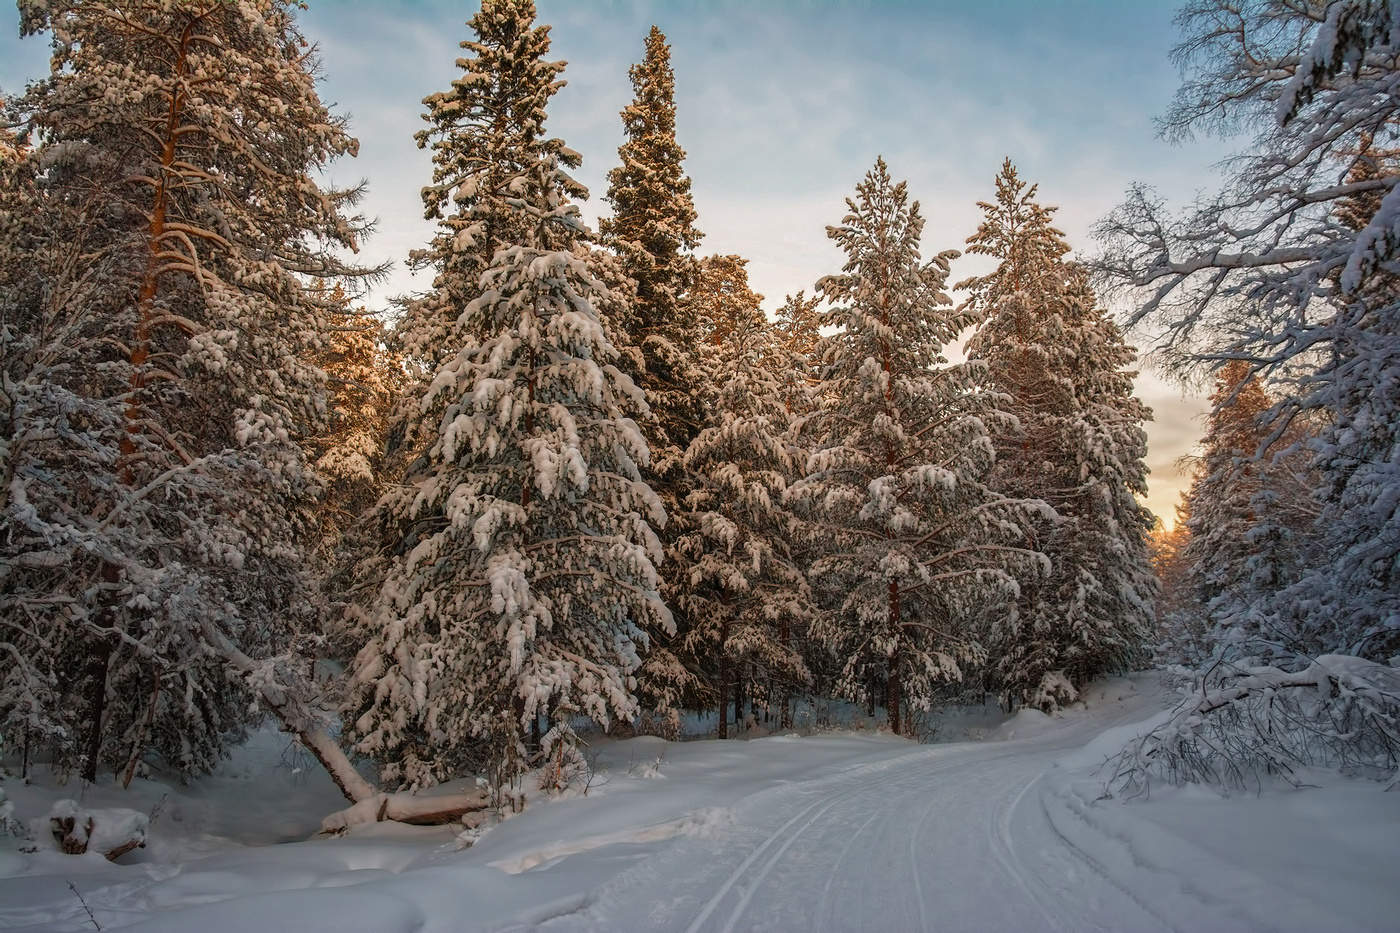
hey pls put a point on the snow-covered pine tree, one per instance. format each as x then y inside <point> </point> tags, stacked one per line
<point>1181,636</point>
<point>1077,444</point>
<point>1221,497</point>
<point>799,323</point>
<point>720,297</point>
<point>1280,270</point>
<point>364,381</point>
<point>722,303</point>
<point>916,549</point>
<point>652,230</point>
<point>521,580</point>
<point>1248,507</point>
<point>746,599</point>
<point>796,331</point>
<point>1111,526</point>
<point>158,378</point>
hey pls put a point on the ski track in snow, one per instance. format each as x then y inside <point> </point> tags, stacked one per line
<point>945,837</point>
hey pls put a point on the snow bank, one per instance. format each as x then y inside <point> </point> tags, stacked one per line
<point>1320,858</point>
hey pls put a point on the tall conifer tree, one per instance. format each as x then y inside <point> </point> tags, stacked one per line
<point>1249,510</point>
<point>746,595</point>
<point>1077,444</point>
<point>914,545</point>
<point>521,580</point>
<point>158,507</point>
<point>652,229</point>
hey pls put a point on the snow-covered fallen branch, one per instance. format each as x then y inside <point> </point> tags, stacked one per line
<point>429,810</point>
<point>1240,724</point>
<point>289,703</point>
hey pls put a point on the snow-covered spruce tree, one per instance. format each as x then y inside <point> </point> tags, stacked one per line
<point>1181,636</point>
<point>1112,526</point>
<point>521,582</point>
<point>652,230</point>
<point>1247,508</point>
<point>364,381</point>
<point>157,374</point>
<point>1292,269</point>
<point>471,133</point>
<point>30,695</point>
<point>721,302</point>
<point>1077,444</point>
<point>916,549</point>
<point>746,599</point>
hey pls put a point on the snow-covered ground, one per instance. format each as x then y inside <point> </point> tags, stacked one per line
<point>851,831</point>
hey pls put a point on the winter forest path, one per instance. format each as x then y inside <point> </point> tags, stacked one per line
<point>953,837</point>
<point>820,834</point>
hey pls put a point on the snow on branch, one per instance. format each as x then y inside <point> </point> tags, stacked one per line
<point>1242,724</point>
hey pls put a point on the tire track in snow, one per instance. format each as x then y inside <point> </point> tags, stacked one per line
<point>882,797</point>
<point>743,904</point>
<point>744,866</point>
<point>914,865</point>
<point>860,784</point>
<point>1000,843</point>
<point>851,869</point>
<point>836,867</point>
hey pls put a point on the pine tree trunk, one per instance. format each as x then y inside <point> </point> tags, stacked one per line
<point>138,354</point>
<point>893,696</point>
<point>739,696</point>
<point>99,660</point>
<point>893,699</point>
<point>723,680</point>
<point>785,688</point>
<point>97,702</point>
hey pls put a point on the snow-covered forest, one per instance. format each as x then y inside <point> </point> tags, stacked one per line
<point>465,595</point>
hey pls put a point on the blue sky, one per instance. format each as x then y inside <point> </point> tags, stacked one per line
<point>782,106</point>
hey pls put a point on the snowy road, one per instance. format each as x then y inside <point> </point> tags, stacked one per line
<point>829,832</point>
<point>944,838</point>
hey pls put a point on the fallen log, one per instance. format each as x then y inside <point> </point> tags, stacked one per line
<point>426,810</point>
<point>113,832</point>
